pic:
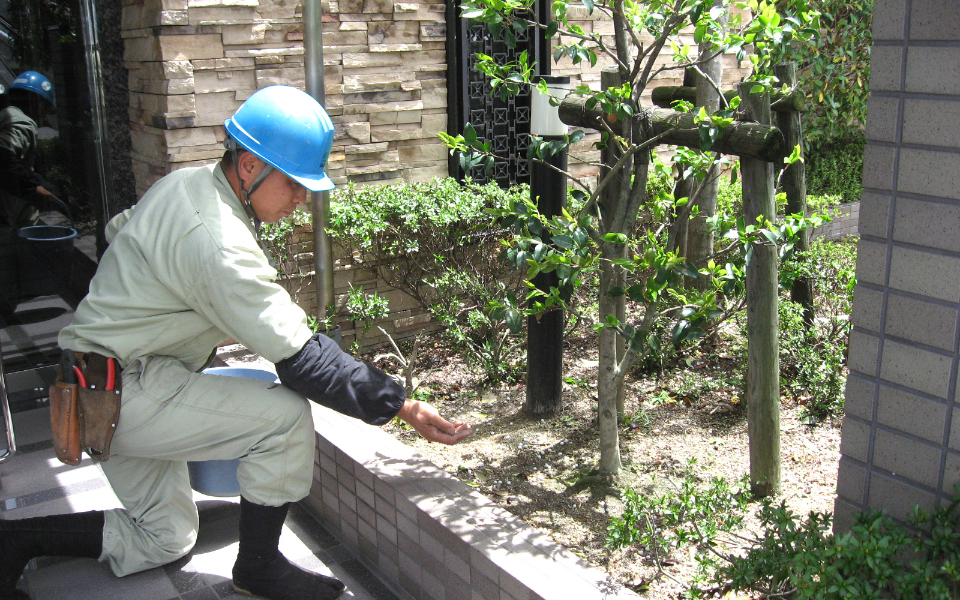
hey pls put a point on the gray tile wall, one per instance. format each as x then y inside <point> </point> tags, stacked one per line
<point>429,536</point>
<point>901,436</point>
<point>843,222</point>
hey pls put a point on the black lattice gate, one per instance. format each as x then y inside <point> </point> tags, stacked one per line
<point>505,123</point>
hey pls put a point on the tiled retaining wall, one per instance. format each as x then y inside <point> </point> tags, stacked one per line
<point>405,317</point>
<point>844,223</point>
<point>427,534</point>
<point>901,434</point>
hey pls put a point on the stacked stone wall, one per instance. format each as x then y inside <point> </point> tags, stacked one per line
<point>192,63</point>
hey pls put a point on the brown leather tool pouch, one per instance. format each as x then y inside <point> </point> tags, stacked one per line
<point>99,407</point>
<point>65,421</point>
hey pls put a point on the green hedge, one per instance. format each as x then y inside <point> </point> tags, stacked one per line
<point>836,169</point>
<point>404,218</point>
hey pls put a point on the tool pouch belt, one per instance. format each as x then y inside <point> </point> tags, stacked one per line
<point>85,417</point>
<point>65,421</point>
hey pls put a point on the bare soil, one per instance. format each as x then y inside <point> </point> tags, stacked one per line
<point>537,467</point>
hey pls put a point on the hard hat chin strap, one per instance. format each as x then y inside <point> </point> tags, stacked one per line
<point>234,149</point>
<point>245,193</point>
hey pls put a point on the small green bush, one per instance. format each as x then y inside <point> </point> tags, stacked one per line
<point>438,243</point>
<point>836,168</point>
<point>693,515</point>
<point>812,364</point>
<point>813,361</point>
<point>404,218</point>
<point>877,559</point>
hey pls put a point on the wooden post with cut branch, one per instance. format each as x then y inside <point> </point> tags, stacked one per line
<point>664,96</point>
<point>763,358</point>
<point>795,186</point>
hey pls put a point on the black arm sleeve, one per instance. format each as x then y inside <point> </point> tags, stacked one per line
<point>324,373</point>
<point>17,179</point>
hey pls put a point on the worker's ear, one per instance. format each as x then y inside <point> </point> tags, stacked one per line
<point>249,166</point>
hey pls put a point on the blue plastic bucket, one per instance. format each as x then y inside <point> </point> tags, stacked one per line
<point>219,477</point>
<point>44,259</point>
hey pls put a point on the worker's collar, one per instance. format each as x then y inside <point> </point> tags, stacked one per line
<point>243,211</point>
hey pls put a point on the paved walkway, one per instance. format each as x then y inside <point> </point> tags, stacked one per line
<point>34,483</point>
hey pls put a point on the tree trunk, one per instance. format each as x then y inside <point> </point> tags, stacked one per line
<point>610,78</point>
<point>684,187</point>
<point>608,377</point>
<point>763,357</point>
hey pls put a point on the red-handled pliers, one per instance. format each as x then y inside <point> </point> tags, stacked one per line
<point>111,374</point>
<point>80,378</point>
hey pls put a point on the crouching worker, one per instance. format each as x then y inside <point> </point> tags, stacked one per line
<point>183,272</point>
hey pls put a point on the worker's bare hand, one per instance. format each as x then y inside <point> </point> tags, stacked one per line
<point>426,420</point>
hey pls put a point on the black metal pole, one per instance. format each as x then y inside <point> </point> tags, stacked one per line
<point>548,187</point>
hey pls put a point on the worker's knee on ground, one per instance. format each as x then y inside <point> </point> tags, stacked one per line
<point>173,533</point>
<point>172,544</point>
<point>132,545</point>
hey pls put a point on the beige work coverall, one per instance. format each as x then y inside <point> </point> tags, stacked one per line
<point>183,272</point>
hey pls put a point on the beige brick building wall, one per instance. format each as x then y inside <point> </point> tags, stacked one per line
<point>901,433</point>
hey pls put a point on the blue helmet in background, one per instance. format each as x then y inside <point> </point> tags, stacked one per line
<point>36,83</point>
<point>289,130</point>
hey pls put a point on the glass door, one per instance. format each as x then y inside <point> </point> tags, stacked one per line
<point>51,184</point>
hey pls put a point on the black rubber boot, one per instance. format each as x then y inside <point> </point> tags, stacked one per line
<point>79,534</point>
<point>261,570</point>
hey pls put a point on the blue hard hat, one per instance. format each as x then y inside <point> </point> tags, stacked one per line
<point>289,130</point>
<point>34,82</point>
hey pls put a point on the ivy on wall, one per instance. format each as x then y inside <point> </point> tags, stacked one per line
<point>835,68</point>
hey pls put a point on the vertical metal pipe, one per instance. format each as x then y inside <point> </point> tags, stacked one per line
<point>320,201</point>
<point>98,110</point>
<point>548,188</point>
<point>7,417</point>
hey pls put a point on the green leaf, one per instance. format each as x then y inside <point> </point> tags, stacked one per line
<point>615,238</point>
<point>654,342</point>
<point>563,241</point>
<point>514,320</point>
<point>636,293</point>
<point>470,134</point>
<point>680,332</point>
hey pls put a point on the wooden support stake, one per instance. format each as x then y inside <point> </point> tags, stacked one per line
<point>795,186</point>
<point>763,358</point>
<point>665,96</point>
<point>752,140</point>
